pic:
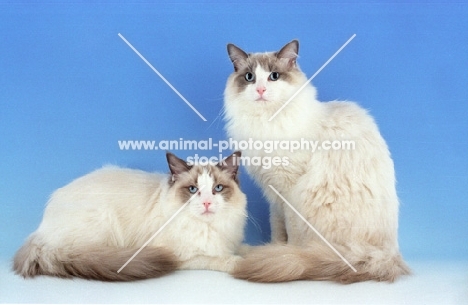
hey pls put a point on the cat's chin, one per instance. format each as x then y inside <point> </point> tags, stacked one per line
<point>207,217</point>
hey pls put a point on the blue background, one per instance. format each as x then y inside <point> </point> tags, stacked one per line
<point>70,88</point>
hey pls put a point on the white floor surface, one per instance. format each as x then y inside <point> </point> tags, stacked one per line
<point>431,283</point>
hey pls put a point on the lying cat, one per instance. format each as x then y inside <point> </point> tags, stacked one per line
<point>347,195</point>
<point>94,225</point>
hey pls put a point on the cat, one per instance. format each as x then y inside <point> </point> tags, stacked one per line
<point>347,195</point>
<point>93,225</point>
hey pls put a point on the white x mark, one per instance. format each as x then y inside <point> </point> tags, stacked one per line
<point>313,229</point>
<point>312,77</point>
<point>159,231</point>
<point>162,77</point>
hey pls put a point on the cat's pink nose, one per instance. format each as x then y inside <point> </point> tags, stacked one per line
<point>261,90</point>
<point>207,204</point>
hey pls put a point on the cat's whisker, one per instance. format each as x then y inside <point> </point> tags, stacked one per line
<point>255,222</point>
<point>217,118</point>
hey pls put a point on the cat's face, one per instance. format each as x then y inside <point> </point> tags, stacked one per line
<point>265,80</point>
<point>264,86</point>
<point>212,190</point>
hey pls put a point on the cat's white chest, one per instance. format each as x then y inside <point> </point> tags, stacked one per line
<point>190,238</point>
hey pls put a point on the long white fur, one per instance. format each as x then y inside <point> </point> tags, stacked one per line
<point>122,208</point>
<point>349,196</point>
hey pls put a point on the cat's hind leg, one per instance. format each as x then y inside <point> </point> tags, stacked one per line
<point>277,223</point>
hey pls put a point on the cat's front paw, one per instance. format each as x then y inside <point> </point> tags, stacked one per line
<point>217,263</point>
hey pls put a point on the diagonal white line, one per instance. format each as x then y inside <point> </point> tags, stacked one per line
<point>310,226</point>
<point>162,77</point>
<point>312,77</point>
<point>159,231</point>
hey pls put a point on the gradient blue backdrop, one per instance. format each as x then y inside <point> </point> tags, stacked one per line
<point>70,88</point>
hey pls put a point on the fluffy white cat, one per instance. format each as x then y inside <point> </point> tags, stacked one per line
<point>93,225</point>
<point>348,195</point>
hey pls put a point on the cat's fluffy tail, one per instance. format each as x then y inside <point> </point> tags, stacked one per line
<point>282,263</point>
<point>96,263</point>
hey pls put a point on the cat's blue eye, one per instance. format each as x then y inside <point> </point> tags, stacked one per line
<point>274,76</point>
<point>218,188</point>
<point>249,76</point>
<point>193,189</point>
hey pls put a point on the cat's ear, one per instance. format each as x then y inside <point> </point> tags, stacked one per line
<point>289,52</point>
<point>237,56</point>
<point>176,165</point>
<point>231,164</point>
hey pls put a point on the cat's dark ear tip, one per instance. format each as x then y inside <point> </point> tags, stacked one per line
<point>229,47</point>
<point>296,43</point>
<point>237,154</point>
<point>169,155</point>
<point>171,158</point>
<point>232,49</point>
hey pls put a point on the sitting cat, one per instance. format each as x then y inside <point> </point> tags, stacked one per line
<point>347,195</point>
<point>92,226</point>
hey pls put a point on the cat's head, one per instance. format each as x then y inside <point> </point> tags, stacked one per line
<point>264,80</point>
<point>211,189</point>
